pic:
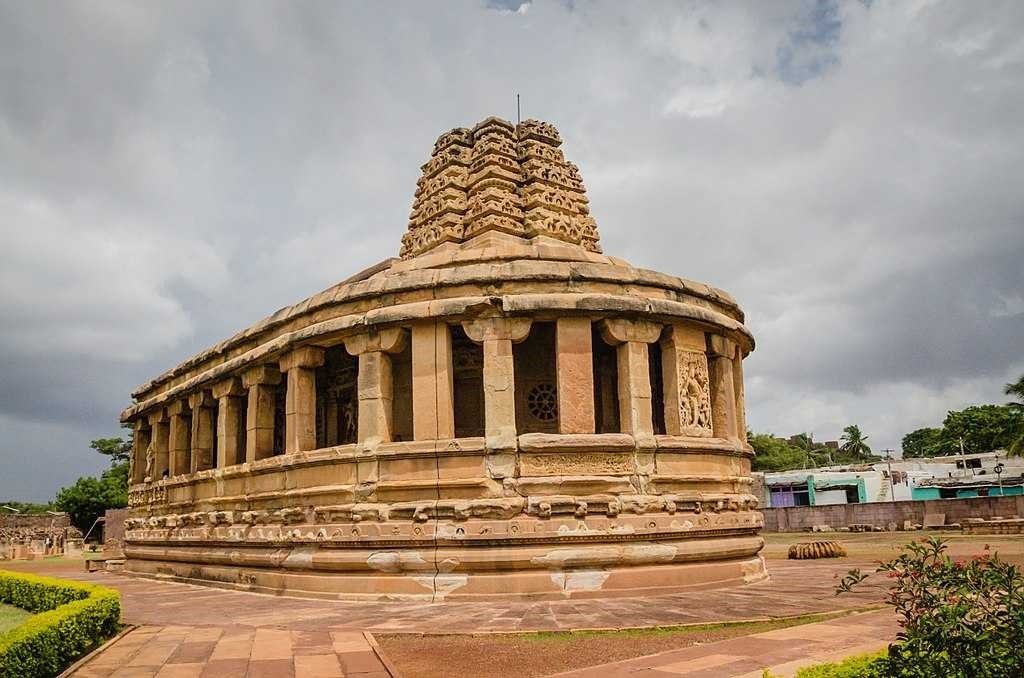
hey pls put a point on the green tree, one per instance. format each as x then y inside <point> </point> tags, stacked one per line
<point>924,442</point>
<point>982,428</point>
<point>117,449</point>
<point>1016,444</point>
<point>27,506</point>
<point>89,497</point>
<point>775,454</point>
<point>853,442</point>
<point>815,454</point>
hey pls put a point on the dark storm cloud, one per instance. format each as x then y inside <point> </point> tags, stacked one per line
<point>172,173</point>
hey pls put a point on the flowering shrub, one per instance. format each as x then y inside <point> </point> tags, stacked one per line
<point>958,619</point>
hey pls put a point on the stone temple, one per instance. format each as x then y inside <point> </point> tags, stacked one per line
<point>501,411</point>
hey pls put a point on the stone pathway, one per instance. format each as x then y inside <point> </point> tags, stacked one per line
<point>796,587</point>
<point>224,633</point>
<point>235,652</point>
<point>782,652</point>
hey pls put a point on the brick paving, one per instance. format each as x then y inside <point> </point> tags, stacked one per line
<point>219,632</point>
<point>795,588</point>
<point>782,651</point>
<point>235,652</point>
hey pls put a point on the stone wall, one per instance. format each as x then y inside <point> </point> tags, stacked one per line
<point>12,520</point>
<point>800,518</point>
<point>113,525</point>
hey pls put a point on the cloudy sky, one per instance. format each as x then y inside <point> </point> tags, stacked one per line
<point>172,172</point>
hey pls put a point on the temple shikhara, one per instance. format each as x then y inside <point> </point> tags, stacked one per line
<point>503,410</point>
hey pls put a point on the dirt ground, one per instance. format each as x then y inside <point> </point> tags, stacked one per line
<point>541,654</point>
<point>885,545</point>
<point>496,655</point>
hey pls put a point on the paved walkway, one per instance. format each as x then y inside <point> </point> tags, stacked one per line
<point>235,652</point>
<point>796,587</point>
<point>782,652</point>
<point>225,633</point>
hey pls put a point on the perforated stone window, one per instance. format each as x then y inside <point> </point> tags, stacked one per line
<point>542,402</point>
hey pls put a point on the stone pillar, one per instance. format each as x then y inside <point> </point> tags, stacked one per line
<point>684,366</point>
<point>374,384</point>
<point>575,361</point>
<point>631,337</point>
<point>160,443</point>
<point>433,409</point>
<point>230,435</point>
<point>203,427</point>
<point>737,384</point>
<point>723,395</point>
<point>300,398</point>
<point>259,418</point>
<point>497,334</point>
<point>140,447</point>
<point>180,445</point>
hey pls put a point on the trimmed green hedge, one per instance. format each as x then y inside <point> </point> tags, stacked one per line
<point>860,666</point>
<point>71,618</point>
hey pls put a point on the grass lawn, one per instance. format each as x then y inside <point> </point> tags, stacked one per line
<point>11,616</point>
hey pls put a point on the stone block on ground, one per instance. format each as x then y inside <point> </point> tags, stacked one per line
<point>816,549</point>
<point>934,520</point>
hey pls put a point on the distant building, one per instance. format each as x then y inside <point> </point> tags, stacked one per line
<point>952,477</point>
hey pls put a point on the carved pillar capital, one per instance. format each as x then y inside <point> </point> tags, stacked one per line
<point>390,340</point>
<point>721,347</point>
<point>308,357</point>
<point>493,328</point>
<point>232,386</point>
<point>268,375</point>
<point>201,398</point>
<point>620,330</point>
<point>178,408</point>
<point>158,416</point>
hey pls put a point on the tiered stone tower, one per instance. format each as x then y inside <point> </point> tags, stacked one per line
<point>496,177</point>
<point>503,411</point>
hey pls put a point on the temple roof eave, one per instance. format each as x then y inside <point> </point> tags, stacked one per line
<point>514,304</point>
<point>391,276</point>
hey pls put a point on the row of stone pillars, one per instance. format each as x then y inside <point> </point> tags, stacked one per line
<point>181,437</point>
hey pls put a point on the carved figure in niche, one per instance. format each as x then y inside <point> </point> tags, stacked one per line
<point>150,460</point>
<point>695,400</point>
<point>348,413</point>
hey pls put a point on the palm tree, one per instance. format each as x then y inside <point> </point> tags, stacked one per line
<point>853,442</point>
<point>805,443</point>
<point>1016,447</point>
